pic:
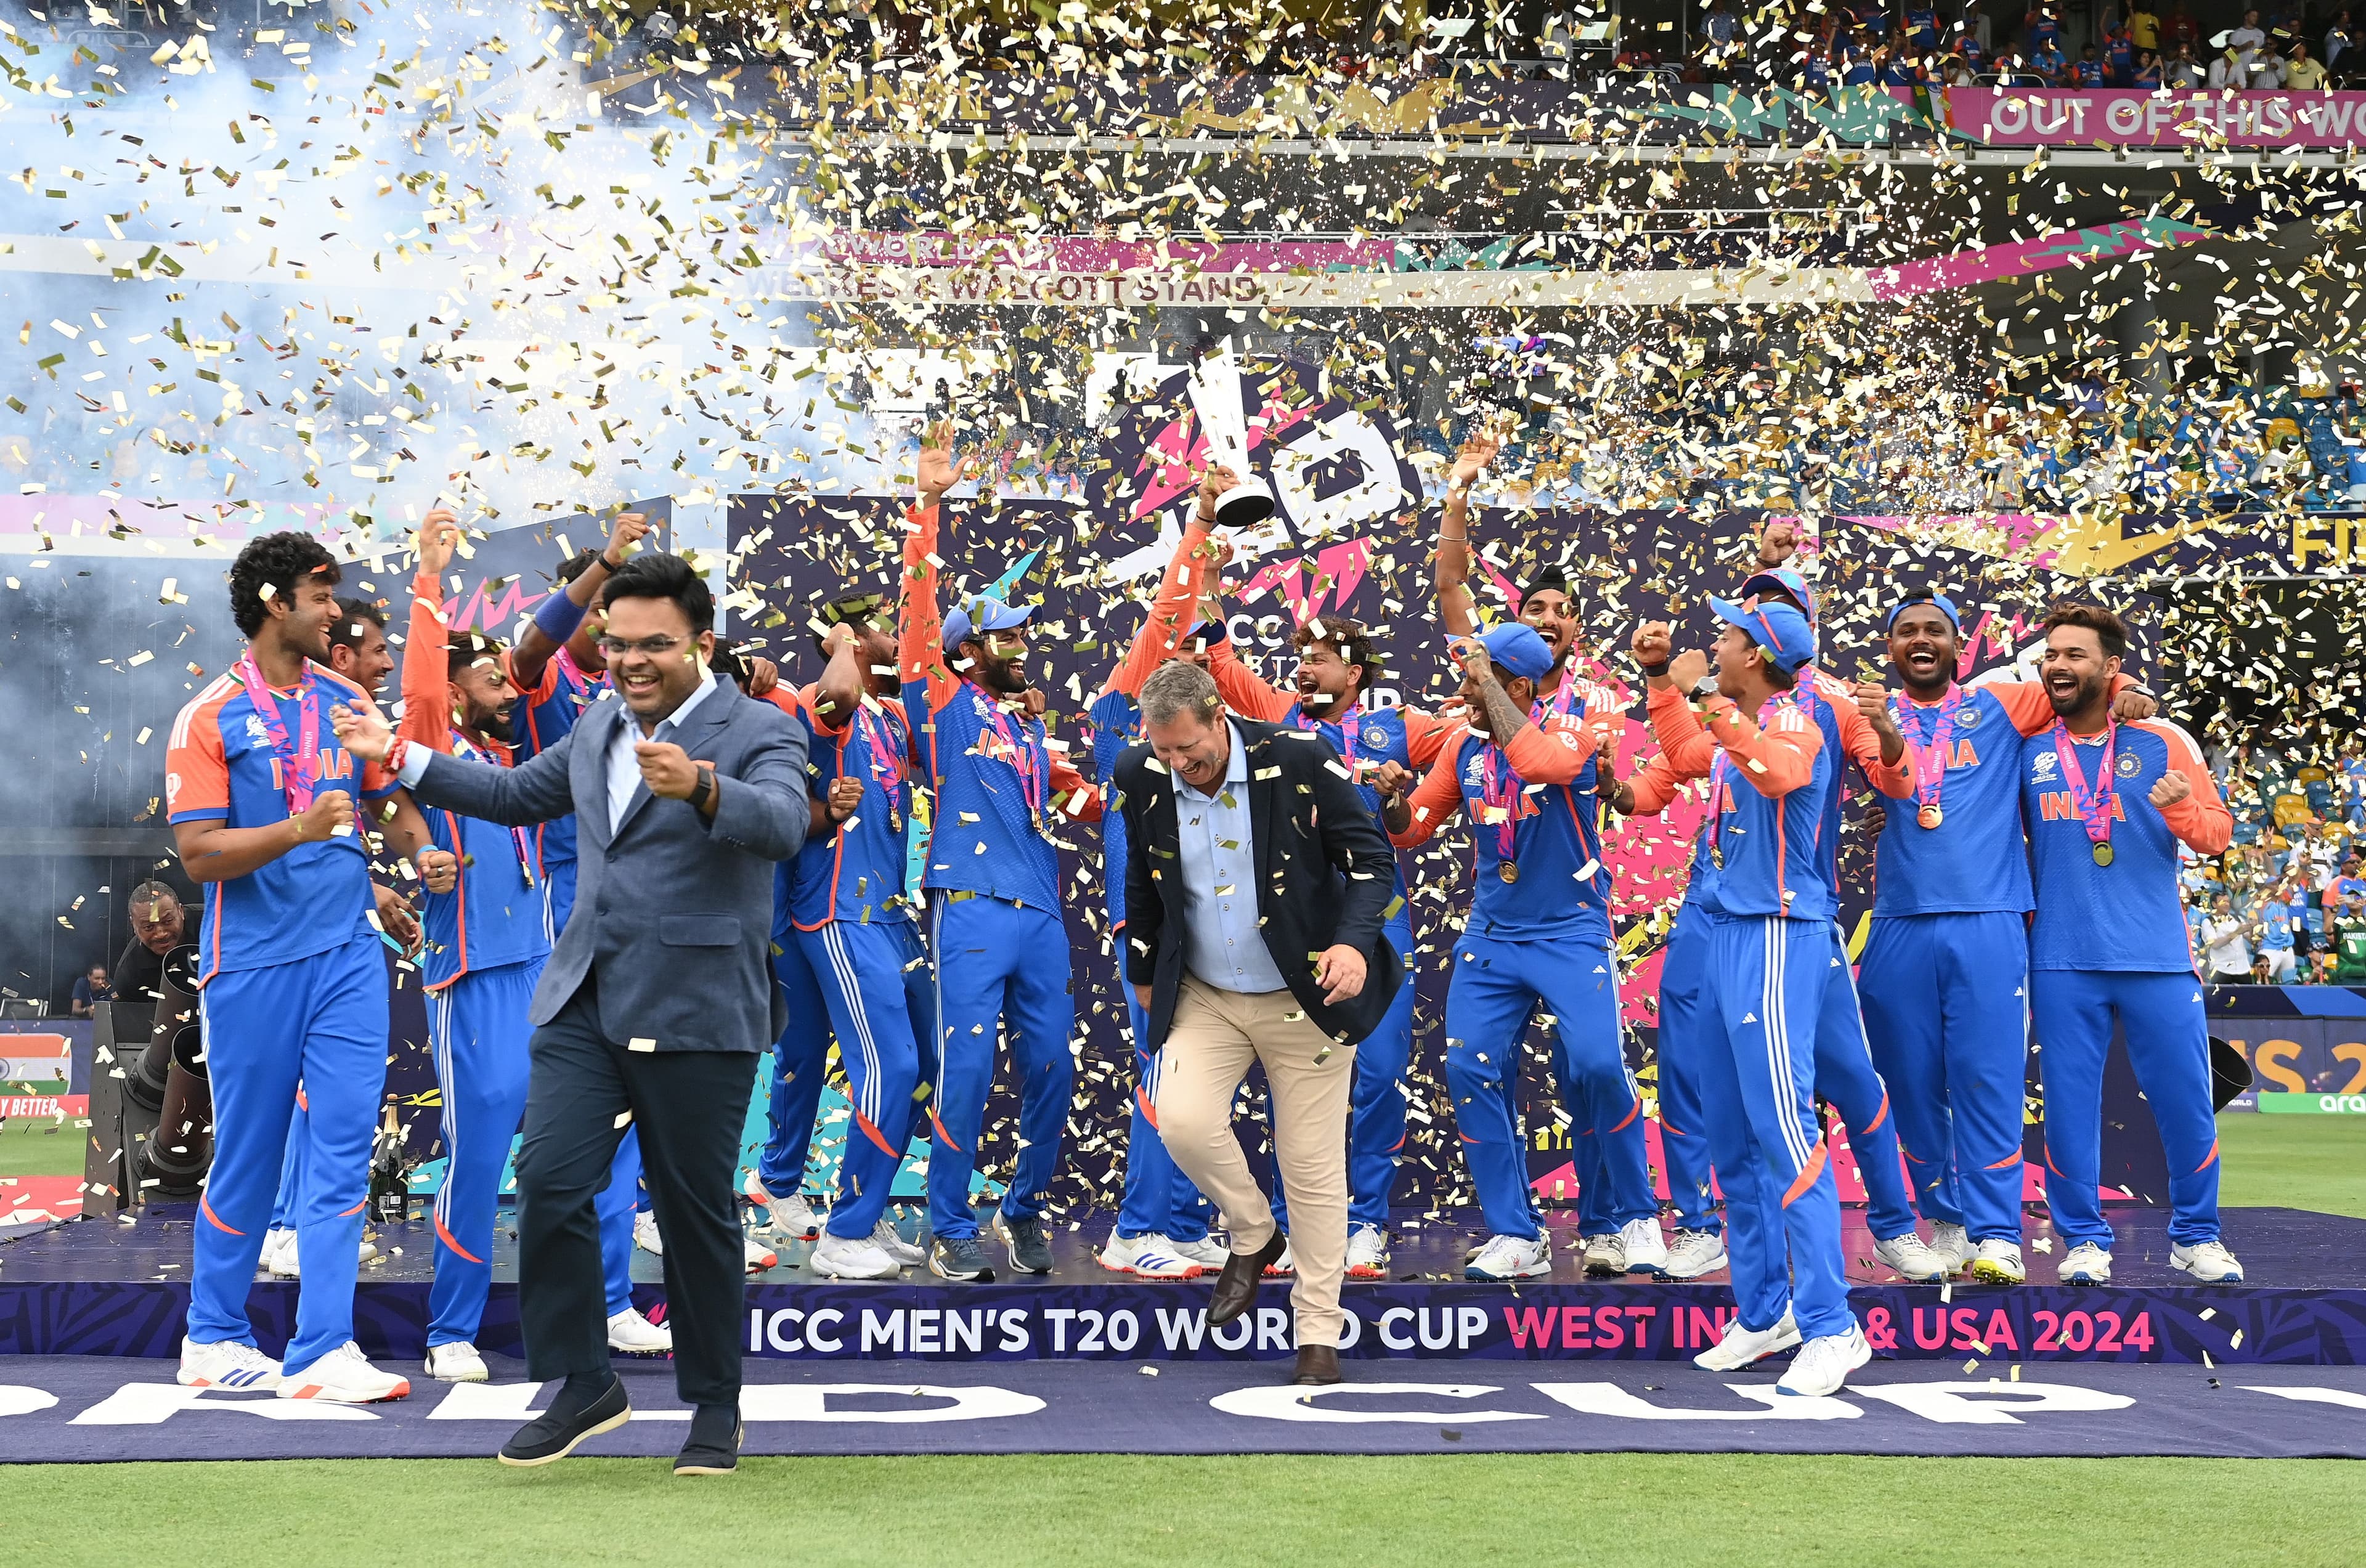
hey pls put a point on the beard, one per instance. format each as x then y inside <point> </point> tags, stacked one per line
<point>1003,677</point>
<point>2089,690</point>
<point>495,725</point>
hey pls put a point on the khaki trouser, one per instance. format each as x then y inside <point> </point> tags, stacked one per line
<point>1215,1035</point>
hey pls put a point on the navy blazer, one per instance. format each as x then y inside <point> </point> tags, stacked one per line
<point>1325,877</point>
<point>673,913</point>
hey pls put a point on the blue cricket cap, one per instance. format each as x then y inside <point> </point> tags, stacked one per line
<point>1778,628</point>
<point>980,615</point>
<point>1517,649</point>
<point>1782,580</point>
<point>1946,607</point>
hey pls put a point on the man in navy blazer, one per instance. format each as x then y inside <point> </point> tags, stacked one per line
<point>657,1000</point>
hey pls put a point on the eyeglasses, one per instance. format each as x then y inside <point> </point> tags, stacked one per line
<point>655,646</point>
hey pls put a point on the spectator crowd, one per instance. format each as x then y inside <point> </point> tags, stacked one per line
<point>2286,904</point>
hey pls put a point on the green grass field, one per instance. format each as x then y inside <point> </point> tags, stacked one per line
<point>1755,1511</point>
<point>1662,1510</point>
<point>41,1148</point>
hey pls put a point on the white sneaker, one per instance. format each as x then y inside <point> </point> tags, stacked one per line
<point>760,1256</point>
<point>1997,1263</point>
<point>1912,1257</point>
<point>1368,1253</point>
<point>285,1264</point>
<point>1606,1255</point>
<point>456,1362</point>
<point>1149,1254</point>
<point>1208,1252</point>
<point>282,1260</point>
<point>2209,1263</point>
<point>2087,1264</point>
<point>1696,1253</point>
<point>1511,1257</point>
<point>630,1334</point>
<point>1742,1346</point>
<point>226,1364</point>
<point>792,1218</point>
<point>1823,1364</point>
<point>857,1257</point>
<point>1284,1264</point>
<point>1645,1250</point>
<point>343,1376</point>
<point>1953,1246</point>
<point>273,1240</point>
<point>644,1232</point>
<point>889,1240</point>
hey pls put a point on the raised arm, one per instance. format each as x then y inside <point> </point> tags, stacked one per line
<point>1456,608</point>
<point>919,616</point>
<point>556,618</point>
<point>426,651</point>
<point>1180,590</point>
<point>1870,737</point>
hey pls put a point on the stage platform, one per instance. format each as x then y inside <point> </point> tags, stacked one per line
<point>117,1287</point>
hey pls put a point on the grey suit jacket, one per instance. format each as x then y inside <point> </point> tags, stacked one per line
<point>673,913</point>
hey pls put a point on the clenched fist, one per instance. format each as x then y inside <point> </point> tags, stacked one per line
<point>845,798</point>
<point>439,870</point>
<point>330,816</point>
<point>2170,789</point>
<point>667,768</point>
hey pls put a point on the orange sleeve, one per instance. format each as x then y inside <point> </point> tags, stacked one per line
<point>1862,744</point>
<point>1775,759</point>
<point>919,620</point>
<point>1434,800</point>
<point>1072,793</point>
<point>1242,690</point>
<point>2200,819</point>
<point>196,774</point>
<point>1549,758</point>
<point>1654,788</point>
<point>1684,746</point>
<point>541,691</point>
<point>1170,614</point>
<point>1425,736</point>
<point>427,669</point>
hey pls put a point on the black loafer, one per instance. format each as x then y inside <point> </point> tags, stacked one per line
<point>1237,1285</point>
<point>701,1458</point>
<point>1318,1365</point>
<point>555,1434</point>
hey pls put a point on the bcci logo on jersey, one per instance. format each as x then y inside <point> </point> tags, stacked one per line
<point>2042,766</point>
<point>2129,767</point>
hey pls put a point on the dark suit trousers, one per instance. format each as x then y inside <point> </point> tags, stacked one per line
<point>691,1107</point>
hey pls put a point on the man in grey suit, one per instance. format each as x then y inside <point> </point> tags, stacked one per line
<point>657,1000</point>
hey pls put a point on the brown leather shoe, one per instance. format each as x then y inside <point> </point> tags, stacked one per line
<point>1237,1285</point>
<point>1317,1365</point>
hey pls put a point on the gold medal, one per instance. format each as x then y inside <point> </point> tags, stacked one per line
<point>2102,853</point>
<point>1508,871</point>
<point>1716,857</point>
<point>1930,816</point>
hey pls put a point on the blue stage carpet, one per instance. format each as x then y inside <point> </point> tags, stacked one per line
<point>100,1408</point>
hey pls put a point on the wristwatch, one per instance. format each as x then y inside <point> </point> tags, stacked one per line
<point>1703,689</point>
<point>704,790</point>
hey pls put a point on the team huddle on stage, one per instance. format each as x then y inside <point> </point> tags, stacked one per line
<point>2026,875</point>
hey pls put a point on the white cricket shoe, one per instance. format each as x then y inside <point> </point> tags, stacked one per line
<point>273,1240</point>
<point>792,1218</point>
<point>1742,1346</point>
<point>1646,1251</point>
<point>1149,1254</point>
<point>1368,1253</point>
<point>285,1264</point>
<point>889,1240</point>
<point>760,1256</point>
<point>1824,1363</point>
<point>2087,1264</point>
<point>1606,1255</point>
<point>1998,1262</point>
<point>2208,1261</point>
<point>1953,1246</point>
<point>1912,1257</point>
<point>343,1376</point>
<point>630,1334</point>
<point>1511,1257</point>
<point>456,1362</point>
<point>226,1363</point>
<point>1284,1264</point>
<point>1696,1253</point>
<point>644,1232</point>
<point>856,1258</point>
<point>1208,1252</point>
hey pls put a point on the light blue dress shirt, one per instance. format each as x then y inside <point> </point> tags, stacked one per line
<point>1223,944</point>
